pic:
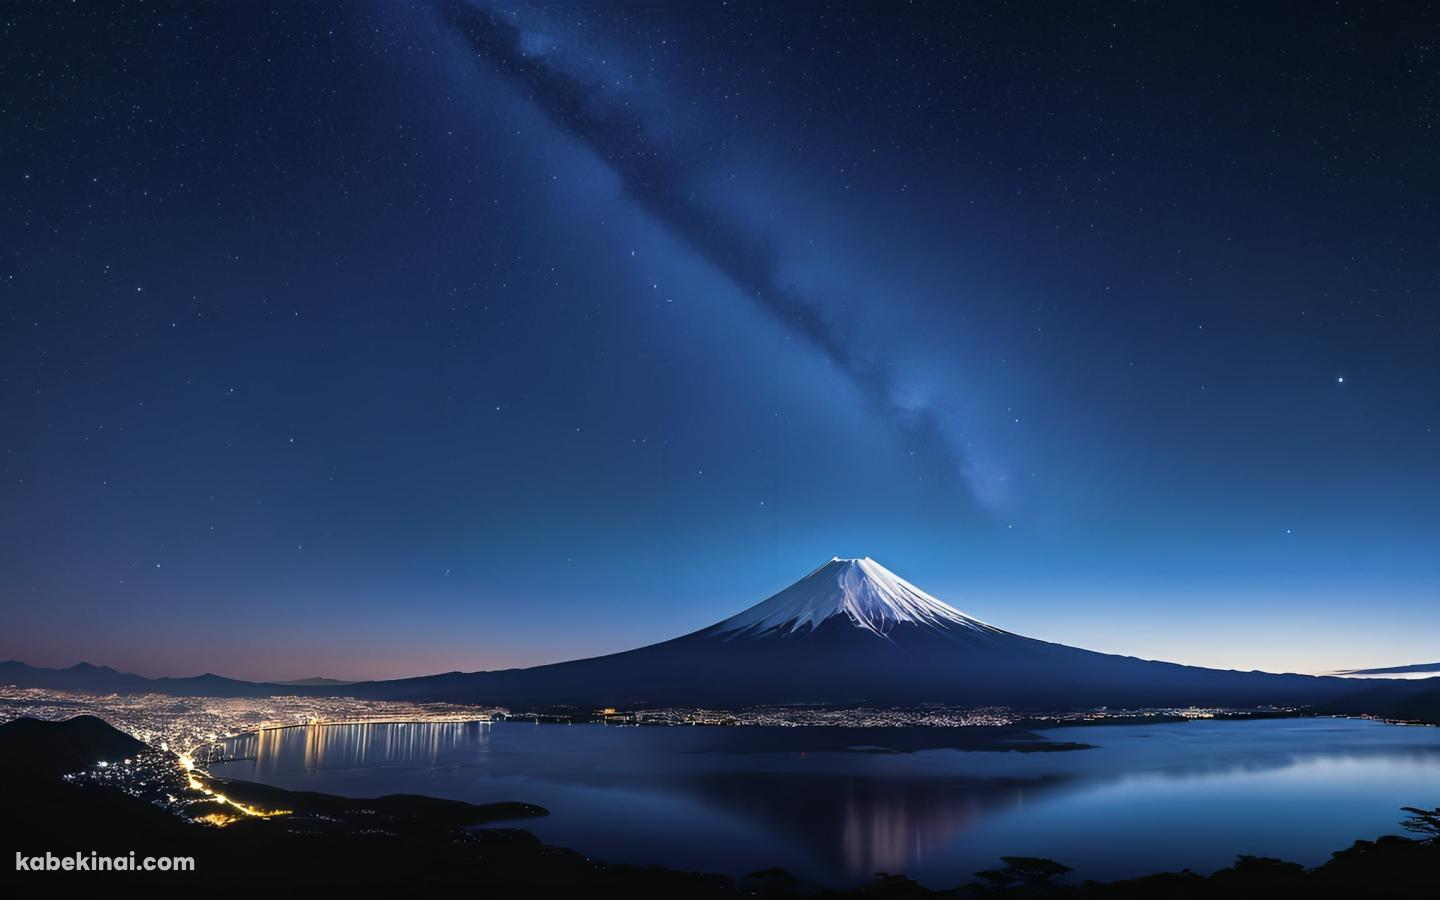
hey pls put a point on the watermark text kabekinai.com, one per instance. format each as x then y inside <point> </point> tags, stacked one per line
<point>97,862</point>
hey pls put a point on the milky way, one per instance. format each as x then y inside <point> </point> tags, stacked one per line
<point>662,186</point>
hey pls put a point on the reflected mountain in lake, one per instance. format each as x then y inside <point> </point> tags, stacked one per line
<point>737,800</point>
<point>859,825</point>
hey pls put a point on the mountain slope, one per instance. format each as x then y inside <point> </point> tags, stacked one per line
<point>849,633</point>
<point>852,632</point>
<point>867,594</point>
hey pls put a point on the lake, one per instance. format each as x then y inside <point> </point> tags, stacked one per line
<point>1142,798</point>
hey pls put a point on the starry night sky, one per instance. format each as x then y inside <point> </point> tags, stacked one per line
<point>384,339</point>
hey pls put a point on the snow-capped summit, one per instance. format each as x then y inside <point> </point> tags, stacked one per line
<point>869,595</point>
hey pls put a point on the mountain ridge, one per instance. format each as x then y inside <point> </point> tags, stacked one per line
<point>869,595</point>
<point>851,632</point>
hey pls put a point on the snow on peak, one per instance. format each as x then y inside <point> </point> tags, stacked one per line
<point>868,594</point>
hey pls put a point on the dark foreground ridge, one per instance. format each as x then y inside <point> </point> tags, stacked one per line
<point>409,842</point>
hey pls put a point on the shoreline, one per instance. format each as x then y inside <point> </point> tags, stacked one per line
<point>332,838</point>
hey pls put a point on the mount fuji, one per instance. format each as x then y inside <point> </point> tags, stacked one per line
<point>853,632</point>
<point>850,633</point>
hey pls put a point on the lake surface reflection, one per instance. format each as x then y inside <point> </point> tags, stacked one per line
<point>737,800</point>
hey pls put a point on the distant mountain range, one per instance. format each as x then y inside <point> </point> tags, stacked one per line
<point>314,681</point>
<point>105,680</point>
<point>1417,669</point>
<point>849,633</point>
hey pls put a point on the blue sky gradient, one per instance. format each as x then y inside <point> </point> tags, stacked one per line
<point>375,341</point>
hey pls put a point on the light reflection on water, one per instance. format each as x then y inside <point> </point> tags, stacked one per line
<point>1145,798</point>
<point>318,746</point>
